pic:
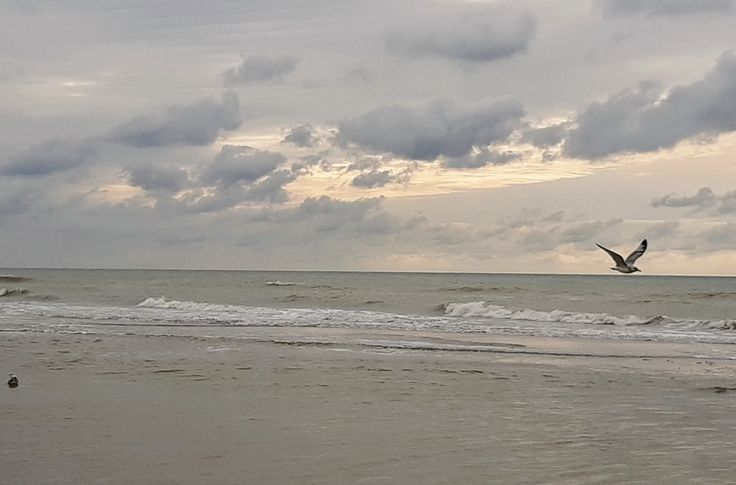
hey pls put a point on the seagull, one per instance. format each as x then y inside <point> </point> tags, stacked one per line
<point>626,265</point>
<point>13,381</point>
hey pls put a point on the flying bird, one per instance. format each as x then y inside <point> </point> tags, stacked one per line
<point>626,265</point>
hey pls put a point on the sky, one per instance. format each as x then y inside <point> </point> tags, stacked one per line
<point>390,135</point>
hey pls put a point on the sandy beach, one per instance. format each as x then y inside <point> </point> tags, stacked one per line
<point>132,409</point>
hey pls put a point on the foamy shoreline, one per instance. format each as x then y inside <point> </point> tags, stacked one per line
<point>92,409</point>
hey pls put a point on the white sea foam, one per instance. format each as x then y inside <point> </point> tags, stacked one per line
<point>282,283</point>
<point>12,291</point>
<point>483,309</point>
<point>213,319</point>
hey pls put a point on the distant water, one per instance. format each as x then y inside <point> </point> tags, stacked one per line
<point>218,303</point>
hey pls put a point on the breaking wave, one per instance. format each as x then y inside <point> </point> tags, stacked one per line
<point>479,318</point>
<point>12,291</point>
<point>282,283</point>
<point>9,278</point>
<point>482,309</point>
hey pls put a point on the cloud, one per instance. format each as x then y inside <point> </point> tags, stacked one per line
<point>545,137</point>
<point>196,124</point>
<point>240,174</point>
<point>484,37</point>
<point>586,230</point>
<point>49,157</point>
<point>260,68</point>
<point>360,75</point>
<point>661,229</point>
<point>721,235</point>
<point>240,164</point>
<point>480,159</point>
<point>441,128</point>
<point>703,198</point>
<point>16,200</point>
<point>365,163</point>
<point>644,119</point>
<point>158,179</point>
<point>653,8</point>
<point>727,202</point>
<point>301,136</point>
<point>324,214</point>
<point>372,179</point>
<point>271,187</point>
<point>236,175</point>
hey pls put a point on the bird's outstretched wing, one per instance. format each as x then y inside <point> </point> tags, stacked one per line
<point>617,258</point>
<point>637,252</point>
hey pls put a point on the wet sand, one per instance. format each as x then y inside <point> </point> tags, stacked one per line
<point>132,409</point>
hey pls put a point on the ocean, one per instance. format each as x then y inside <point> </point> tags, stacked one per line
<point>249,304</point>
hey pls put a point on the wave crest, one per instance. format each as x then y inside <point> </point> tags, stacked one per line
<point>12,291</point>
<point>9,278</point>
<point>487,310</point>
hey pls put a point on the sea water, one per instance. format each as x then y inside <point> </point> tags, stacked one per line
<point>228,304</point>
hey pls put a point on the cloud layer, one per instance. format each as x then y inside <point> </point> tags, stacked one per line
<point>484,37</point>
<point>664,7</point>
<point>439,129</point>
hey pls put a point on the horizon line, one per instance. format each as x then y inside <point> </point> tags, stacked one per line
<point>507,273</point>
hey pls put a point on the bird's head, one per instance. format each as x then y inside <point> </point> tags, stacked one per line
<point>636,269</point>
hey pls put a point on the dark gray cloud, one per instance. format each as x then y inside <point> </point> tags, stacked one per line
<point>271,187</point>
<point>49,157</point>
<point>481,159</point>
<point>236,176</point>
<point>196,124</point>
<point>441,128</point>
<point>545,137</point>
<point>158,179</point>
<point>240,164</point>
<point>372,179</point>
<point>259,68</point>
<point>645,119</point>
<point>268,189</point>
<point>480,37</point>
<point>365,163</point>
<point>301,136</point>
<point>655,8</point>
<point>703,198</point>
